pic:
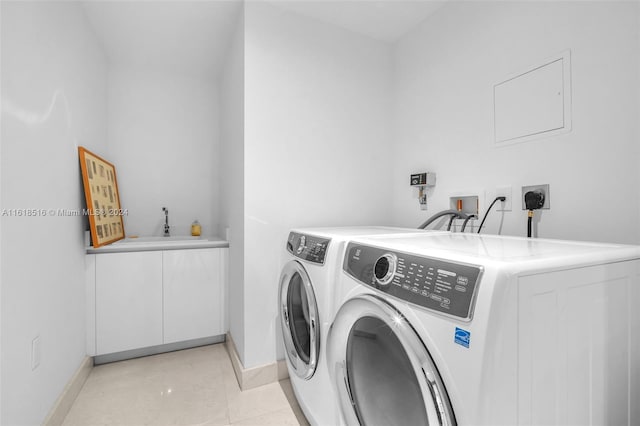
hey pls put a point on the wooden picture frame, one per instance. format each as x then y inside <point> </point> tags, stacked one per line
<point>102,198</point>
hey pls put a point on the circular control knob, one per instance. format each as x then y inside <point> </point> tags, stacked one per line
<point>303,241</point>
<point>385,268</point>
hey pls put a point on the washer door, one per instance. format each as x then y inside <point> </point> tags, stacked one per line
<point>381,369</point>
<point>299,319</point>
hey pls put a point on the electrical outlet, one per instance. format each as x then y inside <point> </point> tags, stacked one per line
<point>36,353</point>
<point>506,205</point>
<point>544,189</point>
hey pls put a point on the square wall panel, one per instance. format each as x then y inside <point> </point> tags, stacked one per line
<point>534,103</point>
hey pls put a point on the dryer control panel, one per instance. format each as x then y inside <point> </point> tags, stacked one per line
<point>308,247</point>
<point>436,284</point>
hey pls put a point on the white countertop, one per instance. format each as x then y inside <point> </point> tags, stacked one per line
<point>159,243</point>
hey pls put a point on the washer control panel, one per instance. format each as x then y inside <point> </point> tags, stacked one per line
<point>431,283</point>
<point>308,247</point>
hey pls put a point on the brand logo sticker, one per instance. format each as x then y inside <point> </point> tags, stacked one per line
<point>462,337</point>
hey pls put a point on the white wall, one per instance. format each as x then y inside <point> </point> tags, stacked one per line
<point>53,99</point>
<point>232,174</point>
<point>163,137</point>
<point>316,146</point>
<point>443,85</point>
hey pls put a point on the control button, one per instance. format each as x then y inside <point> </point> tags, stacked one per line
<point>385,268</point>
<point>301,244</point>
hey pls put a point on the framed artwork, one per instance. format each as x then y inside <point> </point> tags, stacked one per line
<point>102,197</point>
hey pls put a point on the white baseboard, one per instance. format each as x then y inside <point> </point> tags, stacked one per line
<point>159,349</point>
<point>249,378</point>
<point>69,394</point>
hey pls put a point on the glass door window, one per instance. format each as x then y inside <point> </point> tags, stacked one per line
<point>383,384</point>
<point>299,319</point>
<point>382,372</point>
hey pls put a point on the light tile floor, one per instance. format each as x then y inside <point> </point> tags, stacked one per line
<point>190,387</point>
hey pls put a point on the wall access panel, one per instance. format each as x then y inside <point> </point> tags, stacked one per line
<point>534,103</point>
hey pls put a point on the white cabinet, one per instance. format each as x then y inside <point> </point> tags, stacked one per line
<point>128,301</point>
<point>193,305</point>
<point>150,298</point>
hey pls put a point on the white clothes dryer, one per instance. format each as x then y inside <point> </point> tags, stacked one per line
<point>467,329</point>
<point>313,258</point>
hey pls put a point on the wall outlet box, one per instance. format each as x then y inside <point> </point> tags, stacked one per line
<point>467,204</point>
<point>504,206</point>
<point>542,188</point>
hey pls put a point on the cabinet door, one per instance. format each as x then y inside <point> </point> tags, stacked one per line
<point>128,301</point>
<point>194,295</point>
<point>90,297</point>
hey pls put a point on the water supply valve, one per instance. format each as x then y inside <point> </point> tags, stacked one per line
<point>422,181</point>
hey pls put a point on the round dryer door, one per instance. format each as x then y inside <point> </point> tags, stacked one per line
<point>299,319</point>
<point>381,369</point>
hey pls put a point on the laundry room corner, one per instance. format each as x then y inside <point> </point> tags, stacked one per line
<point>318,203</point>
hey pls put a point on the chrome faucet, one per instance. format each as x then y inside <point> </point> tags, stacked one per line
<point>166,221</point>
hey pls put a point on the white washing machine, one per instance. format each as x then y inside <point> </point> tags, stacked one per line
<point>313,258</point>
<point>467,329</point>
